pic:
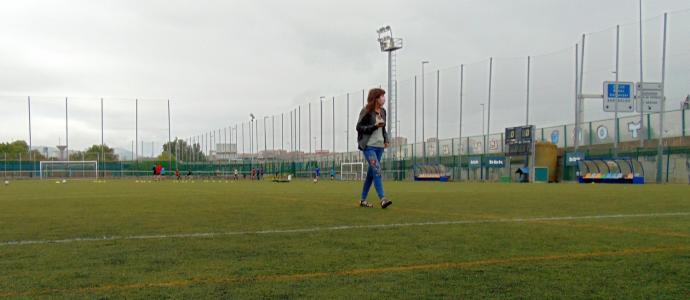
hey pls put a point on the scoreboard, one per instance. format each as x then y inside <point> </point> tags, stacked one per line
<point>519,140</point>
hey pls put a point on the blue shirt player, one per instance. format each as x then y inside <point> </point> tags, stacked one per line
<point>317,174</point>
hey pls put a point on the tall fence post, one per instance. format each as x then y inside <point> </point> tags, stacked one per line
<point>660,138</point>
<point>468,152</point>
<point>591,134</point>
<point>542,134</point>
<point>565,136</point>
<point>668,161</point>
<point>649,127</point>
<point>682,117</point>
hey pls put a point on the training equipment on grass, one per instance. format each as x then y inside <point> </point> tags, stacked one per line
<point>620,170</point>
<point>69,169</point>
<point>352,171</point>
<point>283,179</point>
<point>431,172</point>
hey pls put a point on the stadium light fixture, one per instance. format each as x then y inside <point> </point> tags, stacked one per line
<point>386,40</point>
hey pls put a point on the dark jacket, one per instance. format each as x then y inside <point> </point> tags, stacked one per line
<point>366,125</point>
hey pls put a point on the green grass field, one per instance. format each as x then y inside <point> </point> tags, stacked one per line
<point>122,239</point>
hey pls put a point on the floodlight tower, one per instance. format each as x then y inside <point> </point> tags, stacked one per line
<point>390,44</point>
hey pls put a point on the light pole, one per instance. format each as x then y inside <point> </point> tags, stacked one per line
<point>310,136</point>
<point>251,134</point>
<point>321,105</point>
<point>641,76</point>
<point>483,120</point>
<point>290,143</point>
<point>414,145</point>
<point>333,123</point>
<point>256,136</point>
<point>273,131</point>
<point>347,124</point>
<point>659,157</point>
<point>484,139</point>
<point>438,102</point>
<point>424,62</point>
<point>249,131</point>
<point>488,104</point>
<point>265,143</point>
<point>390,44</point>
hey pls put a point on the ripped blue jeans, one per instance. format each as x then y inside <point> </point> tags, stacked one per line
<point>373,157</point>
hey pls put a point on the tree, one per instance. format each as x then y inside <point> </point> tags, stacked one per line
<point>183,151</point>
<point>94,153</point>
<point>165,157</point>
<point>20,149</point>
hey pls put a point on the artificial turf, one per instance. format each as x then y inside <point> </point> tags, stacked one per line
<point>246,239</point>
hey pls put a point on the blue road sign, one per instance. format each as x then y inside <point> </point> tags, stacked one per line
<point>619,99</point>
<point>623,91</point>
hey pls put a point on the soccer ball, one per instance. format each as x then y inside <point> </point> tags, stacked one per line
<point>64,181</point>
<point>7,182</point>
<point>315,180</point>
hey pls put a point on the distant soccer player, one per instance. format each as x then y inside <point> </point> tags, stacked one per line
<point>237,177</point>
<point>372,139</point>
<point>332,173</point>
<point>317,174</point>
<point>177,174</point>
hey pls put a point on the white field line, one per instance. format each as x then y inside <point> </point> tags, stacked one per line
<point>332,228</point>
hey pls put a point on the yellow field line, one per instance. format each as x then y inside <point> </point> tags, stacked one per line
<point>617,228</point>
<point>603,227</point>
<point>396,269</point>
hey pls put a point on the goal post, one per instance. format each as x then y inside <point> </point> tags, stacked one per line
<point>87,169</point>
<point>352,171</point>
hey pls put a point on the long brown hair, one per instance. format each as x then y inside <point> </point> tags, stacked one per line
<point>374,95</point>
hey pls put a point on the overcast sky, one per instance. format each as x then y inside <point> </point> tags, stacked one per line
<point>217,61</point>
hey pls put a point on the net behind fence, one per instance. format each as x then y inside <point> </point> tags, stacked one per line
<point>68,169</point>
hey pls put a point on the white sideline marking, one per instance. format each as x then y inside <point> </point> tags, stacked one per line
<point>331,228</point>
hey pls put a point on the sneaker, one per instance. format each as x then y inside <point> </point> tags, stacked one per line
<point>365,204</point>
<point>385,203</point>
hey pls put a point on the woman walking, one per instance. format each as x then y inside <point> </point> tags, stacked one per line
<point>372,139</point>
